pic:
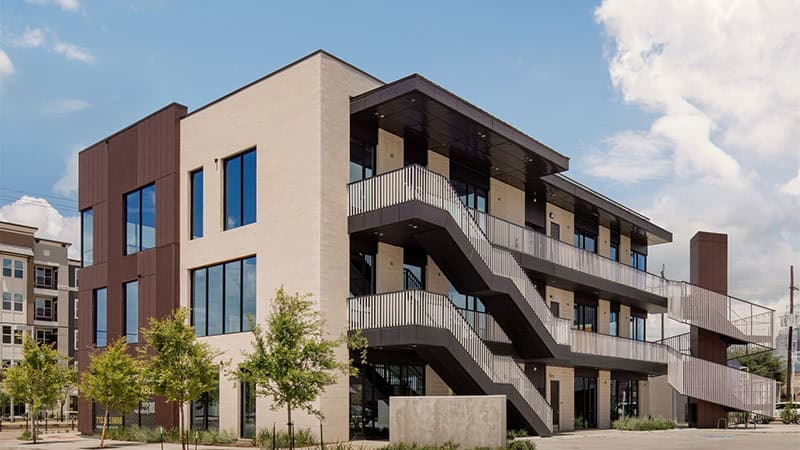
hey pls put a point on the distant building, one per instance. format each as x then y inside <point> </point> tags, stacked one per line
<point>781,348</point>
<point>39,298</point>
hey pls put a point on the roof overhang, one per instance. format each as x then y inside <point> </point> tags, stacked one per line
<point>456,128</point>
<point>571,195</point>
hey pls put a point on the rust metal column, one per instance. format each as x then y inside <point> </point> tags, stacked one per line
<point>708,269</point>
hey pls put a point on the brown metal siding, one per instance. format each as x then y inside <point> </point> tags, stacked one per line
<point>709,261</point>
<point>144,153</point>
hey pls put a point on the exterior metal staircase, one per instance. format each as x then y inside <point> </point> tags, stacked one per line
<point>690,376</point>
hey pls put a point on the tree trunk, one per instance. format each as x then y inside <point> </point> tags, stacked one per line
<point>105,427</point>
<point>33,425</point>
<point>290,428</point>
<point>180,425</point>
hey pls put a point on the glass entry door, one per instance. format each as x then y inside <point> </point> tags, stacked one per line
<point>585,402</point>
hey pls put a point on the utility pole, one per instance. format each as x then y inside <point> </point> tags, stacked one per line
<point>789,392</point>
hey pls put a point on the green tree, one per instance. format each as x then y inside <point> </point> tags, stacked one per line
<point>292,361</point>
<point>180,368</point>
<point>116,380</point>
<point>765,364</point>
<point>38,378</point>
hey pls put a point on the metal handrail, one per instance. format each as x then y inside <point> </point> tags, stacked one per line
<point>484,325</point>
<point>415,183</point>
<point>420,308</point>
<point>687,303</point>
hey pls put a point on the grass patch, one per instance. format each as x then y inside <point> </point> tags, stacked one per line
<point>302,438</point>
<point>639,424</point>
<point>144,434</point>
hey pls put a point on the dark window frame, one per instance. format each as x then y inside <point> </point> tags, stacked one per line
<point>244,324</point>
<point>41,312</point>
<point>140,245</point>
<point>87,251</point>
<point>97,330</point>
<point>240,157</point>
<point>130,337</point>
<point>196,232</point>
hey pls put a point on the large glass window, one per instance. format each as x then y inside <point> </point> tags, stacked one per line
<point>13,302</point>
<point>205,412</point>
<point>584,317</point>
<point>585,402</point>
<point>140,219</point>
<point>638,326</point>
<point>19,269</point>
<point>46,277</point>
<point>132,312</point>
<point>7,267</point>
<point>240,189</point>
<point>100,317</point>
<point>614,252</point>
<point>87,237</point>
<point>47,336</point>
<point>197,203</point>
<point>362,160</point>
<point>586,241</point>
<point>471,308</point>
<point>362,274</point>
<point>46,309</point>
<point>370,391</point>
<point>11,335</point>
<point>624,398</point>
<point>7,302</point>
<point>413,276</point>
<point>224,297</point>
<point>247,413</point>
<point>638,260</point>
<point>613,326</point>
<point>18,302</point>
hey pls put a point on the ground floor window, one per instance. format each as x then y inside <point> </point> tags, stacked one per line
<point>248,410</point>
<point>585,402</point>
<point>624,398</point>
<point>369,396</point>
<point>205,412</point>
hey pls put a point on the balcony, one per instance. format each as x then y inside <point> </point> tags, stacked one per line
<point>738,319</point>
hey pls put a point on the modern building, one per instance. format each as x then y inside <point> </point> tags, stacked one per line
<point>781,351</point>
<point>450,238</point>
<point>39,291</point>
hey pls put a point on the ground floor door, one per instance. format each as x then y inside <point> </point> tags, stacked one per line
<point>585,402</point>
<point>554,403</point>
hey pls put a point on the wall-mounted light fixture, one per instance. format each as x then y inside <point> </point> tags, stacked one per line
<point>551,215</point>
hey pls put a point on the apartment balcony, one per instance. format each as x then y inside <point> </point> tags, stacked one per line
<point>422,320</point>
<point>414,205</point>
<point>740,320</point>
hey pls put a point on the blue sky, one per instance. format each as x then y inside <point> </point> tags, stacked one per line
<point>670,107</point>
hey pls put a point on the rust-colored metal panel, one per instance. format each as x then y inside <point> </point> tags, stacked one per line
<point>709,261</point>
<point>145,152</point>
<point>92,175</point>
<point>16,239</point>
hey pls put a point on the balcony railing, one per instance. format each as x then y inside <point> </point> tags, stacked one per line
<point>484,325</point>
<point>686,303</point>
<point>420,308</point>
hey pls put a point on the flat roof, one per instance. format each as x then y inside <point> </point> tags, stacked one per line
<point>403,87</point>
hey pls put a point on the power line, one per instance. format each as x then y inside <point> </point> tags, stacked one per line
<point>37,194</point>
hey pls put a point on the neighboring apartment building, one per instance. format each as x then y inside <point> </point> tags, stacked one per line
<point>39,287</point>
<point>446,235</point>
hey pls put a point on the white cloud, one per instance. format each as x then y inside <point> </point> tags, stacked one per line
<point>6,67</point>
<point>630,157</point>
<point>73,52</point>
<point>64,106</point>
<point>38,212</point>
<point>66,5</point>
<point>32,37</point>
<point>67,185</point>
<point>793,186</point>
<point>721,79</point>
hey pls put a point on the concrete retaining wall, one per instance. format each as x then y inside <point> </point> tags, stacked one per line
<point>470,421</point>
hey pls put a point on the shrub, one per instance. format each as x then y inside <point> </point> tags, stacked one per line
<point>25,436</point>
<point>302,438</point>
<point>513,434</point>
<point>789,413</point>
<point>144,434</point>
<point>449,445</point>
<point>521,445</point>
<point>640,424</point>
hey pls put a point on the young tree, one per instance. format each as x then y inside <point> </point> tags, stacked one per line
<point>114,379</point>
<point>765,364</point>
<point>292,361</point>
<point>38,378</point>
<point>180,368</point>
